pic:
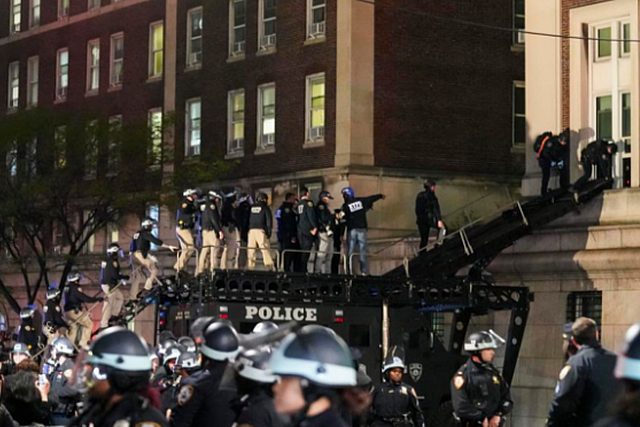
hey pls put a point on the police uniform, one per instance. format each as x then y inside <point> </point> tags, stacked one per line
<point>338,226</point>
<point>586,386</point>
<point>595,153</point>
<point>185,219</point>
<point>260,226</point>
<point>427,214</point>
<point>211,228</point>
<point>63,397</point>
<point>141,245</point>
<point>132,411</point>
<point>307,221</point>
<point>396,405</point>
<point>478,391</point>
<point>325,238</point>
<point>110,277</point>
<point>287,220</point>
<point>355,211</point>
<point>53,319</point>
<point>241,213</point>
<point>231,237</point>
<point>80,324</point>
<point>553,154</point>
<point>258,411</point>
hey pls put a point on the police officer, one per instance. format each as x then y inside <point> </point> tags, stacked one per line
<point>140,247</point>
<point>428,214</point>
<point>586,384</point>
<point>185,222</point>
<point>188,344</point>
<point>187,364</point>
<point>260,226</point>
<point>287,220</point>
<point>19,352</point>
<point>597,153</point>
<point>201,398</point>
<point>28,333</point>
<point>241,212</point>
<point>63,396</point>
<point>231,236</point>
<point>117,371</point>
<point>80,324</point>
<point>312,364</point>
<point>395,404</point>
<point>627,371</point>
<point>254,382</point>
<point>479,394</point>
<point>168,382</point>
<point>355,213</point>
<point>54,323</point>
<point>338,225</point>
<point>552,151</point>
<point>324,243</point>
<point>110,278</point>
<point>307,228</point>
<point>212,235</point>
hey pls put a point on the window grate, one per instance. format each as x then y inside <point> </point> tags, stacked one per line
<point>585,304</point>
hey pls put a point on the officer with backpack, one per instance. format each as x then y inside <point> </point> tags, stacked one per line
<point>552,152</point>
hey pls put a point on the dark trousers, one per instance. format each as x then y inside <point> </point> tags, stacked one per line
<point>545,165</point>
<point>290,259</point>
<point>423,229</point>
<point>587,168</point>
<point>335,260</point>
<point>306,244</point>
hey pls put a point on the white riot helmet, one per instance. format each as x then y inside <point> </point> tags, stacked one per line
<point>483,340</point>
<point>392,363</point>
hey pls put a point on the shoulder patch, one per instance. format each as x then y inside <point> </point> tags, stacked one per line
<point>185,394</point>
<point>458,382</point>
<point>564,372</point>
<point>496,380</point>
<point>403,390</point>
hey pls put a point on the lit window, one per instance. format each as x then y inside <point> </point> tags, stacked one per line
<point>518,109</point>
<point>60,143</point>
<point>93,4</point>
<point>625,48</point>
<point>62,74</point>
<point>113,144</point>
<point>238,24</point>
<point>267,26</point>
<point>15,16</point>
<point>156,44</point>
<point>91,149</point>
<point>194,37</point>
<point>518,21</point>
<point>603,117</point>
<point>116,60</point>
<point>193,116</point>
<point>235,140</point>
<point>315,106</point>
<point>32,81</point>
<point>604,42</point>
<point>34,13</point>
<point>14,85</point>
<point>316,18</point>
<point>155,136</point>
<point>63,8</point>
<point>93,65</point>
<point>266,115</point>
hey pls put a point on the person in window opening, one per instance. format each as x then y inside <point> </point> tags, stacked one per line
<point>597,153</point>
<point>552,152</point>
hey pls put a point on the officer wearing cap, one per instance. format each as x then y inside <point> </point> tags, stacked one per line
<point>395,404</point>
<point>116,375</point>
<point>324,243</point>
<point>110,278</point>
<point>212,235</point>
<point>626,411</point>
<point>586,384</point>
<point>260,227</point>
<point>201,398</point>
<point>479,394</point>
<point>63,396</point>
<point>307,227</point>
<point>53,320</point>
<point>80,323</point>
<point>185,222</point>
<point>428,214</point>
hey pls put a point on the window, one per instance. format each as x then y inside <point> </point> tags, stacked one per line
<point>603,117</point>
<point>113,233</point>
<point>63,8</point>
<point>267,24</point>
<point>626,116</point>
<point>116,60</point>
<point>62,74</point>
<point>156,43</point>
<point>625,48</point>
<point>603,42</point>
<point>266,115</point>
<point>91,150</point>
<point>153,212</point>
<point>192,138</point>
<point>625,133</point>
<point>88,217</point>
<point>194,37</point>
<point>11,160</point>
<point>155,136</point>
<point>31,157</point>
<point>34,13</point>
<point>60,146</point>
<point>32,81</point>
<point>113,144</point>
<point>93,66</point>
<point>235,140</point>
<point>519,118</point>
<point>518,21</point>
<point>316,18</point>
<point>13,75</point>
<point>15,17</point>
<point>315,106</point>
<point>585,303</point>
<point>93,4</point>
<point>238,24</point>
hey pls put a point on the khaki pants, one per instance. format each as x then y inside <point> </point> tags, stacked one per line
<point>112,305</point>
<point>187,247</point>
<point>80,326</point>
<point>231,242</point>
<point>210,250</point>
<point>258,239</point>
<point>324,253</point>
<point>150,263</point>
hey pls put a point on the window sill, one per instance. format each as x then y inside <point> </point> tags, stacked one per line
<point>265,150</point>
<point>154,79</point>
<point>115,88</point>
<point>235,58</point>
<point>193,67</point>
<point>234,155</point>
<point>12,110</point>
<point>518,148</point>
<point>263,51</point>
<point>60,100</point>
<point>91,93</point>
<point>313,143</point>
<point>315,40</point>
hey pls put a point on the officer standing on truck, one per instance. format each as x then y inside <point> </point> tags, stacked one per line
<point>287,219</point>
<point>110,278</point>
<point>324,243</point>
<point>395,404</point>
<point>307,227</point>
<point>479,394</point>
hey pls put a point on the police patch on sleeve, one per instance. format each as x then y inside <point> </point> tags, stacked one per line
<point>564,372</point>
<point>458,382</point>
<point>185,394</point>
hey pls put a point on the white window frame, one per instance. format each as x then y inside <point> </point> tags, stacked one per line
<point>266,141</point>
<point>33,71</point>
<point>113,61</point>
<point>62,71</point>
<point>518,84</point>
<point>194,59</point>
<point>596,54</point>
<point>113,144</point>
<point>621,45</point>
<point>314,135</point>
<point>237,49</point>
<point>153,52</point>
<point>191,149</point>
<point>91,149</point>
<point>93,4</point>
<point>93,68</point>
<point>156,140</point>
<point>316,30</point>
<point>15,16</point>
<point>235,146</point>
<point>13,86</point>
<point>152,211</point>
<point>265,41</point>
<point>63,8</point>
<point>34,13</point>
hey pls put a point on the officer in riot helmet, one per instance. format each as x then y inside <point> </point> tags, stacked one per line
<point>116,375</point>
<point>188,343</point>
<point>313,365</point>
<point>28,333</point>
<point>307,228</point>
<point>211,232</point>
<point>260,227</point>
<point>140,248</point>
<point>324,243</point>
<point>265,325</point>
<point>625,410</point>
<point>78,317</point>
<point>19,352</point>
<point>201,397</point>
<point>63,396</point>
<point>186,218</point>
<point>395,404</point>
<point>479,394</point>
<point>187,364</point>
<point>168,383</point>
<point>197,328</point>
<point>110,281</point>
<point>54,323</point>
